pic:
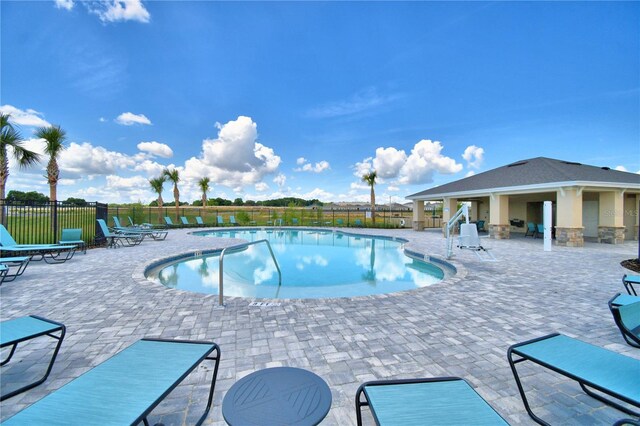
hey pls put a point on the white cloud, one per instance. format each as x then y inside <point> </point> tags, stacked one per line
<point>416,168</point>
<point>319,167</point>
<point>425,158</point>
<point>120,10</point>
<point>29,117</point>
<point>129,119</point>
<point>388,162</point>
<point>474,156</point>
<point>470,173</point>
<point>261,187</point>
<point>359,185</point>
<point>150,168</point>
<point>393,188</point>
<point>156,148</point>
<point>64,4</point>
<point>363,167</point>
<point>621,168</point>
<point>363,101</point>
<point>118,182</point>
<point>235,158</point>
<point>280,180</point>
<point>102,120</point>
<point>80,160</point>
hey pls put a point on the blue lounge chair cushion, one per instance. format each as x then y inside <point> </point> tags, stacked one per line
<point>199,220</point>
<point>121,390</point>
<point>450,402</point>
<point>24,328</point>
<point>624,299</point>
<point>599,367</point>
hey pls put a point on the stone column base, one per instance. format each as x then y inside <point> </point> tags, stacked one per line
<point>500,232</point>
<point>611,234</point>
<point>418,225</point>
<point>569,237</point>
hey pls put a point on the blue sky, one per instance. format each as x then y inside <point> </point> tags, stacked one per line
<point>273,99</point>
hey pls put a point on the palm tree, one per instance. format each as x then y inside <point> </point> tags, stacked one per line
<point>174,176</point>
<point>204,187</point>
<point>156,185</point>
<point>54,138</point>
<point>370,179</point>
<point>10,137</point>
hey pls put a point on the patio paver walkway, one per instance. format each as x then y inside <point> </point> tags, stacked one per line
<point>460,327</point>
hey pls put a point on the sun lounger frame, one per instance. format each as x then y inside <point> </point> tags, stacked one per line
<point>584,383</point>
<point>630,336</point>
<point>361,392</point>
<point>78,385</point>
<point>629,281</point>
<point>20,261</point>
<point>56,327</point>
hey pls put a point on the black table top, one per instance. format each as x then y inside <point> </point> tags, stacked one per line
<point>277,396</point>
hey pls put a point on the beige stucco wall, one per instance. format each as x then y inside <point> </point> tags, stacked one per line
<point>611,209</point>
<point>569,210</point>
<point>499,210</point>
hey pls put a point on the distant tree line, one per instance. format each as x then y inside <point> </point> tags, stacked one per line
<point>36,197</point>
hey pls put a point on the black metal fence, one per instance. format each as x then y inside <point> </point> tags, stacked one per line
<point>43,222</point>
<point>264,216</point>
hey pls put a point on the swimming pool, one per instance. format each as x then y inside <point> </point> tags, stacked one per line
<point>314,264</point>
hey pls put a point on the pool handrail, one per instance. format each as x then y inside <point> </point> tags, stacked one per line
<point>221,271</point>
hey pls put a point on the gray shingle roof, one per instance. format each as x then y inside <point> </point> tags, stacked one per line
<point>534,171</point>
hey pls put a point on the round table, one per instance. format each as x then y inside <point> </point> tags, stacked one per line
<point>277,396</point>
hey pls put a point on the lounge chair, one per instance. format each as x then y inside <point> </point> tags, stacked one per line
<point>539,230</point>
<point>125,388</point>
<point>358,223</point>
<point>4,270</point>
<point>199,221</point>
<point>232,221</point>
<point>185,222</point>
<point>531,229</point>
<point>169,222</point>
<point>339,222</point>
<point>294,221</point>
<point>607,372</point>
<point>480,225</point>
<point>220,220</point>
<point>629,281</point>
<point>145,225</point>
<point>626,314</point>
<point>73,236</point>
<point>50,253</point>
<point>116,238</point>
<point>438,400</point>
<point>20,262</point>
<point>20,330</point>
<point>156,234</point>
<point>469,240</point>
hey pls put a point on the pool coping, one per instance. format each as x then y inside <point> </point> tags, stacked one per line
<point>454,271</point>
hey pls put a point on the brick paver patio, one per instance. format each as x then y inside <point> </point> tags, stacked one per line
<point>460,327</point>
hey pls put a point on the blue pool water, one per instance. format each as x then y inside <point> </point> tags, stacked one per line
<point>314,264</point>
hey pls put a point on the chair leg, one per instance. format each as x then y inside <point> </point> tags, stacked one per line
<point>215,358</point>
<point>46,374</point>
<point>512,364</point>
<point>13,349</point>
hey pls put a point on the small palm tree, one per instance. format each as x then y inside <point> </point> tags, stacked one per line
<point>174,176</point>
<point>10,137</point>
<point>370,179</point>
<point>54,138</point>
<point>157,186</point>
<point>204,187</point>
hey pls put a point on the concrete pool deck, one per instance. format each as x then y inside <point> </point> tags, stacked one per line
<point>460,327</point>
